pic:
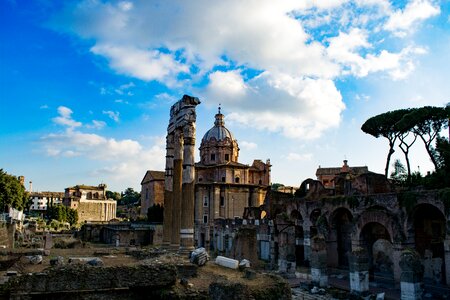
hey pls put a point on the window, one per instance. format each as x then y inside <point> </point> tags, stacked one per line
<point>146,193</point>
<point>222,201</point>
<point>236,180</point>
<point>205,201</point>
<point>223,178</point>
<point>205,219</point>
<point>200,179</point>
<point>213,157</point>
<point>227,157</point>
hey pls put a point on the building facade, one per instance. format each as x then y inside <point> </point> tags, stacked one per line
<point>224,187</point>
<point>40,201</point>
<point>90,202</point>
<point>327,175</point>
<point>152,190</point>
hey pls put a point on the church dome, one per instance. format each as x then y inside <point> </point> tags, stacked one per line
<point>218,145</point>
<point>219,132</point>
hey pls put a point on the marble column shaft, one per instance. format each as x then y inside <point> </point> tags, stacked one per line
<point>168,192</point>
<point>177,191</point>
<point>188,182</point>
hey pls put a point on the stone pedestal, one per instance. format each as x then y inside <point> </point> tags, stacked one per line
<point>359,271</point>
<point>319,274</point>
<point>411,276</point>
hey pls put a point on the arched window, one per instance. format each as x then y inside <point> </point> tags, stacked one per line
<point>236,179</point>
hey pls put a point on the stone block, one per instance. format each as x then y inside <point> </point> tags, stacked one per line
<point>227,262</point>
<point>411,291</point>
<point>359,281</point>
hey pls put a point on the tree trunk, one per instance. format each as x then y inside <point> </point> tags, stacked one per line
<point>430,152</point>
<point>391,151</point>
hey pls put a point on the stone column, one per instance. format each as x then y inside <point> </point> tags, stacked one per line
<point>411,277</point>
<point>359,271</point>
<point>307,246</point>
<point>283,264</point>
<point>177,191</point>
<point>188,183</point>
<point>168,192</point>
<point>447,260</point>
<point>319,261</point>
<point>396,256</point>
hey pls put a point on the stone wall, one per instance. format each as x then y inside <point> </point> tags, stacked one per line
<point>384,224</point>
<point>7,234</point>
<point>96,210</point>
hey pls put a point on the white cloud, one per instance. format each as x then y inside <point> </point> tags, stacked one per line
<point>124,89</point>
<point>113,115</point>
<point>139,63</point>
<point>90,145</point>
<point>227,43</point>
<point>248,145</point>
<point>299,156</point>
<point>125,5</point>
<point>402,21</point>
<point>121,101</point>
<point>45,106</point>
<point>65,118</point>
<point>298,107</point>
<point>96,124</point>
<point>126,160</point>
<point>344,50</point>
<point>230,83</point>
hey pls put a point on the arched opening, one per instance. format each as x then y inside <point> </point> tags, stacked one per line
<point>378,243</point>
<point>429,235</point>
<point>340,243</point>
<point>314,216</point>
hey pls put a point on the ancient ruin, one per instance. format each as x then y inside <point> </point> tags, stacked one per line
<point>180,176</point>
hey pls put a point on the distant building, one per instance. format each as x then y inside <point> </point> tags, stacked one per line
<point>152,190</point>
<point>327,175</point>
<point>40,201</point>
<point>287,189</point>
<point>90,202</point>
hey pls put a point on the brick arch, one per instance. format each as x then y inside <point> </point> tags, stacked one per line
<point>394,229</point>
<point>290,208</point>
<point>336,211</point>
<point>411,215</point>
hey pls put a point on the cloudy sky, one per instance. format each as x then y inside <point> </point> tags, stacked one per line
<point>86,86</point>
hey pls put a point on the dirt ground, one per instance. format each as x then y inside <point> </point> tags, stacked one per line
<point>117,257</point>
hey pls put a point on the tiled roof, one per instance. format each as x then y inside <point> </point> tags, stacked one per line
<point>152,176</point>
<point>336,171</point>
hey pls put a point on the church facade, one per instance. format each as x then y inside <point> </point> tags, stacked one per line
<point>224,187</point>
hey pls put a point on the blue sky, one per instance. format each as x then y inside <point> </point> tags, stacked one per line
<point>86,86</point>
